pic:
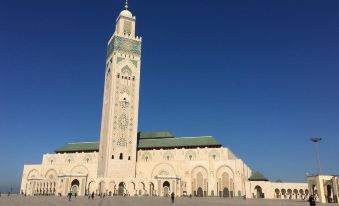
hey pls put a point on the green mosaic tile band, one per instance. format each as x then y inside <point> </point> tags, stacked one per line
<point>119,59</point>
<point>124,45</point>
<point>135,63</point>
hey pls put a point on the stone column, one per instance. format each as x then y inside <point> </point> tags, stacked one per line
<point>66,182</point>
<point>82,187</point>
<point>179,188</point>
<point>320,189</point>
<point>159,188</point>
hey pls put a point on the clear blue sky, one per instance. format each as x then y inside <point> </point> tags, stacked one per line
<point>260,76</point>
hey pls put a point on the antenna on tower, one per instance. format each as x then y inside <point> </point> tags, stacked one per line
<point>126,4</point>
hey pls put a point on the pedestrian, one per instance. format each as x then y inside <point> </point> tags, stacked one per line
<point>69,196</point>
<point>92,195</point>
<point>172,197</point>
<point>312,200</point>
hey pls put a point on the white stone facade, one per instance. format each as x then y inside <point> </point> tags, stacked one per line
<point>325,188</point>
<point>119,167</point>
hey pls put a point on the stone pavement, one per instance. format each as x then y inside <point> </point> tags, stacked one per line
<point>142,201</point>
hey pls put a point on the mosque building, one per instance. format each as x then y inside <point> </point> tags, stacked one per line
<point>128,162</point>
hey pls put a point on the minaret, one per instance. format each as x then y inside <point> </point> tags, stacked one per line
<point>119,124</point>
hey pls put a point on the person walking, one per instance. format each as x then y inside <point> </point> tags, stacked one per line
<point>172,197</point>
<point>92,195</point>
<point>69,196</point>
<point>312,200</point>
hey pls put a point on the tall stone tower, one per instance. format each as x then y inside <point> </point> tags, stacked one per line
<point>118,138</point>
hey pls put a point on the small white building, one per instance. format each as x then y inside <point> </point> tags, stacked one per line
<point>128,162</point>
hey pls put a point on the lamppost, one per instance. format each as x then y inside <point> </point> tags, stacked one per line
<point>316,140</point>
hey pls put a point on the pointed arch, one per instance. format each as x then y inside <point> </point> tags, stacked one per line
<point>51,174</point>
<point>127,62</point>
<point>33,174</point>
<point>126,70</point>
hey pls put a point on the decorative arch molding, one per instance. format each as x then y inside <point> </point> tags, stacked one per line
<point>131,185</point>
<point>126,69</point>
<point>80,169</point>
<point>51,160</point>
<point>34,173</point>
<point>228,168</point>
<point>51,174</point>
<point>87,158</point>
<point>190,155</point>
<point>147,156</point>
<point>142,185</point>
<point>126,62</point>
<point>168,155</point>
<point>214,155</point>
<point>69,158</point>
<point>91,186</point>
<point>161,167</point>
<point>199,168</point>
<point>91,182</point>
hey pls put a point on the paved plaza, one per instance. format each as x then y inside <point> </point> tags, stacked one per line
<point>142,201</point>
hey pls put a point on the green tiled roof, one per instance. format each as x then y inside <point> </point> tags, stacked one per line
<point>153,135</point>
<point>257,176</point>
<point>178,142</point>
<point>148,140</point>
<point>79,147</point>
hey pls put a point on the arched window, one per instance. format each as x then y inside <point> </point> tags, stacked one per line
<point>129,157</point>
<point>112,157</point>
<point>121,156</point>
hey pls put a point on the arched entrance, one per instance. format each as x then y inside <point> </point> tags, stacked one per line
<point>200,193</point>
<point>121,189</point>
<point>259,193</point>
<point>329,194</point>
<point>277,193</point>
<point>166,188</point>
<point>75,187</point>
<point>283,192</point>
<point>225,192</point>
<point>89,191</point>
<point>151,189</point>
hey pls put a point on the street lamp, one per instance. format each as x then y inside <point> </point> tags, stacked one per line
<point>317,140</point>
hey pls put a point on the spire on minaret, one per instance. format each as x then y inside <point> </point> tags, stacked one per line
<point>126,5</point>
